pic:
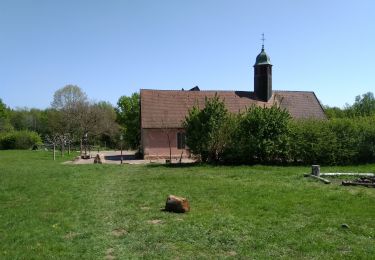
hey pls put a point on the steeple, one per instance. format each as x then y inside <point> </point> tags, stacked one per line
<point>263,75</point>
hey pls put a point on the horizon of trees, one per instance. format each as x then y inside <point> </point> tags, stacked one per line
<point>72,114</point>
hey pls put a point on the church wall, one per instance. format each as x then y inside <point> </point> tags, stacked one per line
<point>155,144</point>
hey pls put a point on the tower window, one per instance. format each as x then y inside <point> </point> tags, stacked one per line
<point>181,137</point>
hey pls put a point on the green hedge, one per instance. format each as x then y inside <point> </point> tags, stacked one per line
<point>19,140</point>
<point>271,136</point>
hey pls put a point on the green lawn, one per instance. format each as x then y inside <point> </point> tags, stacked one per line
<point>49,210</point>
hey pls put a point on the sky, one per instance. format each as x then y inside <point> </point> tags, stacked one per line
<point>117,47</point>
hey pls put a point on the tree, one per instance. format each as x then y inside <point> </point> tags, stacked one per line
<point>364,105</point>
<point>206,131</point>
<point>263,134</point>
<point>72,102</point>
<point>68,97</point>
<point>101,119</point>
<point>3,109</point>
<point>5,125</point>
<point>128,116</point>
<point>73,115</point>
<point>334,112</point>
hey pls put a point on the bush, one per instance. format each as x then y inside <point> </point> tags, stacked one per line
<point>269,135</point>
<point>263,135</point>
<point>333,142</point>
<point>19,140</point>
<point>207,130</point>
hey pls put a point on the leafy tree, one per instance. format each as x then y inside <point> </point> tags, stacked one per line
<point>73,115</point>
<point>364,105</point>
<point>68,97</point>
<point>3,109</point>
<point>105,128</point>
<point>72,102</point>
<point>207,131</point>
<point>335,112</point>
<point>263,135</point>
<point>128,116</point>
<point>5,124</point>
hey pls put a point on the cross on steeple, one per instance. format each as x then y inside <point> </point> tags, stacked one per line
<point>263,39</point>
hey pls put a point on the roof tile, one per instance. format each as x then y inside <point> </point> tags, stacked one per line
<point>168,108</point>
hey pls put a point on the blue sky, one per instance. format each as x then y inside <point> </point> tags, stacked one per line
<point>113,48</point>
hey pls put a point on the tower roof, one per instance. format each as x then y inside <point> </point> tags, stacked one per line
<point>263,58</point>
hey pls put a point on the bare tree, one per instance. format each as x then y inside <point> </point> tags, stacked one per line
<point>53,141</point>
<point>80,117</point>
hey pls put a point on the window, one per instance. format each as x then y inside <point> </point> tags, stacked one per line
<point>181,140</point>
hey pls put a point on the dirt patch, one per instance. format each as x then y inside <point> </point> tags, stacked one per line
<point>232,253</point>
<point>109,254</point>
<point>155,221</point>
<point>145,208</point>
<point>70,235</point>
<point>119,232</point>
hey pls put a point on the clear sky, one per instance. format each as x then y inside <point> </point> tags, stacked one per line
<point>113,48</point>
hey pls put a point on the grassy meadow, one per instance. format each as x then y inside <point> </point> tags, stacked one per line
<point>53,211</point>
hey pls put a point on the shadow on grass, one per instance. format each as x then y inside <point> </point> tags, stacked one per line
<point>177,165</point>
<point>118,157</point>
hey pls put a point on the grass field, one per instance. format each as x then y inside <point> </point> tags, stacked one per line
<point>49,210</point>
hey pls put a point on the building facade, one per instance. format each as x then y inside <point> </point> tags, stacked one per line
<point>164,111</point>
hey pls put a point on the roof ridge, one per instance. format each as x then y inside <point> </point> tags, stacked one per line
<point>209,90</point>
<point>206,90</point>
<point>298,91</point>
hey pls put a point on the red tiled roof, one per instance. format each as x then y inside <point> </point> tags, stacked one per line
<point>168,108</point>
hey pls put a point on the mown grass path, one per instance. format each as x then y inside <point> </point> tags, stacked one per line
<point>54,211</point>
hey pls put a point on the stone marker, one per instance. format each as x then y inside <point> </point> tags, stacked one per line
<point>177,204</point>
<point>99,158</point>
<point>315,170</point>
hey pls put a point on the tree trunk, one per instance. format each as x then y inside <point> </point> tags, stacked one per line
<point>170,148</point>
<point>54,152</point>
<point>62,148</point>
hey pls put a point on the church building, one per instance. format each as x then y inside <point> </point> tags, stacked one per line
<point>163,111</point>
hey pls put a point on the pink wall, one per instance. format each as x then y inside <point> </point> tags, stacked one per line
<point>155,143</point>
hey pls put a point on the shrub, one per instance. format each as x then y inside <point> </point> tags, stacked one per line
<point>263,135</point>
<point>331,142</point>
<point>207,130</point>
<point>269,135</point>
<point>19,140</point>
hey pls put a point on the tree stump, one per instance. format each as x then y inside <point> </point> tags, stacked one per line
<point>315,170</point>
<point>177,204</point>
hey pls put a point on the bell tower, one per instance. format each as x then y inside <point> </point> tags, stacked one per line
<point>263,75</point>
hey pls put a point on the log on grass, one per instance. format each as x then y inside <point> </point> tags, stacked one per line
<point>347,174</point>
<point>321,179</point>
<point>353,183</point>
